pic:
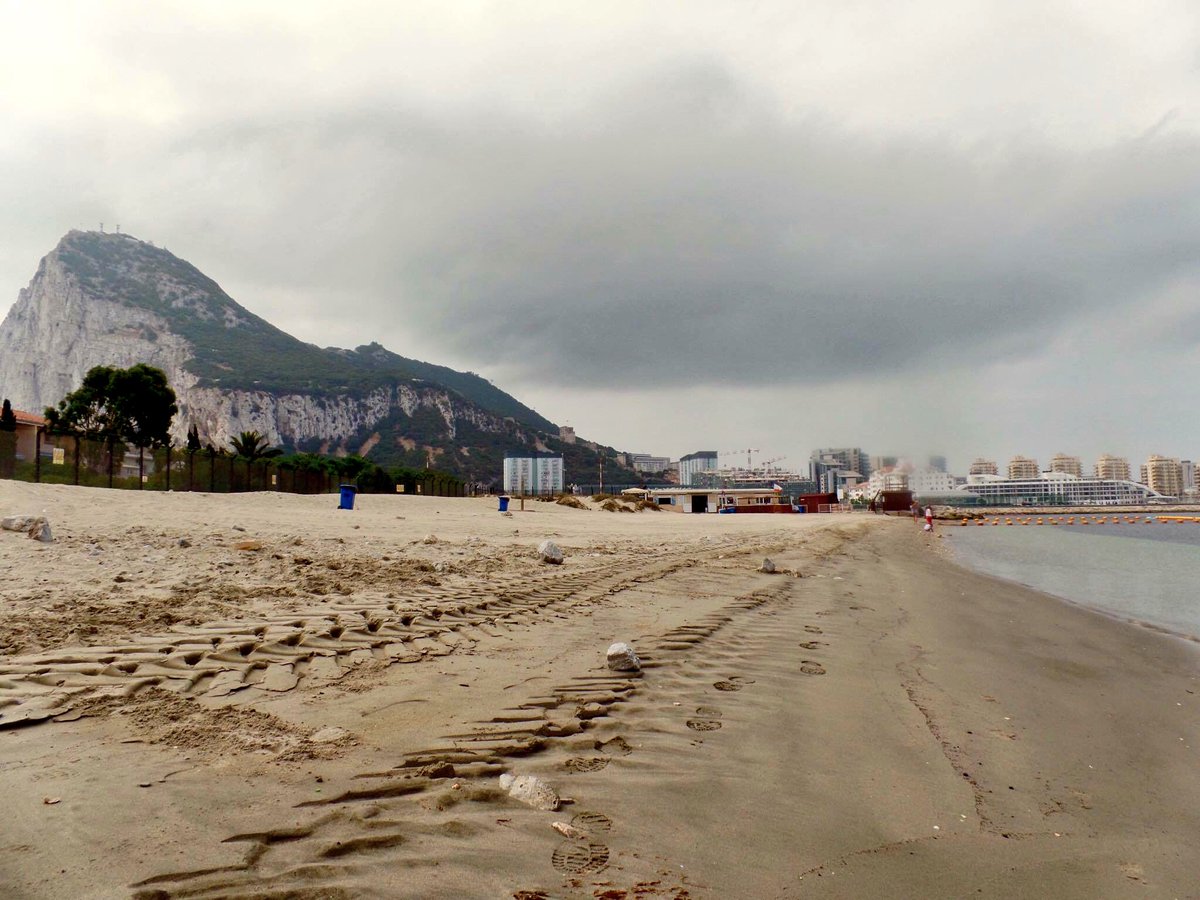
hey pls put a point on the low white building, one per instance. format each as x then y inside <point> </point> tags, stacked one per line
<point>538,473</point>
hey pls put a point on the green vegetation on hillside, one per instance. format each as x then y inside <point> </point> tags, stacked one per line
<point>236,349</point>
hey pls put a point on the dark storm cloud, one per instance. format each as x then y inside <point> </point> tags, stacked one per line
<point>678,230</point>
<point>682,232</point>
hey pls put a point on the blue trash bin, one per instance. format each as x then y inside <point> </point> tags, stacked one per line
<point>504,504</point>
<point>347,496</point>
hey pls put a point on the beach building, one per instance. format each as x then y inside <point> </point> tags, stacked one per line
<point>1068,465</point>
<point>740,500</point>
<point>533,473</point>
<point>1189,476</point>
<point>1022,468</point>
<point>1164,475</point>
<point>28,426</point>
<point>1057,489</point>
<point>983,466</point>
<point>1112,467</point>
<point>700,461</point>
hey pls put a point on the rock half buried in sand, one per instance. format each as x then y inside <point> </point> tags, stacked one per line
<point>429,539</point>
<point>621,658</point>
<point>248,546</point>
<point>550,552</point>
<point>767,566</point>
<point>531,790</point>
<point>329,735</point>
<point>35,527</point>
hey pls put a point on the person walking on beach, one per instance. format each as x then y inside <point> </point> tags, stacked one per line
<point>916,511</point>
<point>929,518</point>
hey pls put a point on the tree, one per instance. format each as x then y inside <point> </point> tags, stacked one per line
<point>115,406</point>
<point>147,405</point>
<point>193,439</point>
<point>134,405</point>
<point>8,420</point>
<point>252,446</point>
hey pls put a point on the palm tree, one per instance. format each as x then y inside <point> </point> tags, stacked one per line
<point>252,446</point>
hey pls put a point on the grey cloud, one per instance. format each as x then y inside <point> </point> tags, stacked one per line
<point>681,231</point>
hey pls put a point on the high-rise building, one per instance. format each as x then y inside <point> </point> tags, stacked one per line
<point>1113,468</point>
<point>882,462</point>
<point>530,472</point>
<point>1022,468</point>
<point>1165,475</point>
<point>852,459</point>
<point>829,467</point>
<point>983,466</point>
<point>1069,465</point>
<point>1189,476</point>
<point>700,461</point>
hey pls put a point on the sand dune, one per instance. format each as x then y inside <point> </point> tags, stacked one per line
<point>328,715</point>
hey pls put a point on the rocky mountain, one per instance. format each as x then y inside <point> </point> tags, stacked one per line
<point>110,299</point>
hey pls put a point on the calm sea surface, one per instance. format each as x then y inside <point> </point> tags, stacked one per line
<point>1150,573</point>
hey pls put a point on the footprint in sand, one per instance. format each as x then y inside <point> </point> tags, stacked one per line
<point>808,667</point>
<point>618,746</point>
<point>592,822</point>
<point>733,683</point>
<point>813,629</point>
<point>585,763</point>
<point>703,724</point>
<point>580,859</point>
<point>709,712</point>
<point>811,645</point>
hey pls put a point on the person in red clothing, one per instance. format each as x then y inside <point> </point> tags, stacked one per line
<point>929,518</point>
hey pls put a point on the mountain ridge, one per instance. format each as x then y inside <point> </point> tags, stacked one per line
<point>111,299</point>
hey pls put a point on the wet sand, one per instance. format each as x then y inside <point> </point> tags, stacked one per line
<point>327,716</point>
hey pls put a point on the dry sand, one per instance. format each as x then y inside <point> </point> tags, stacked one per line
<point>327,716</point>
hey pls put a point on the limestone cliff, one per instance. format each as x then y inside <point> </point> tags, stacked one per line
<point>106,299</point>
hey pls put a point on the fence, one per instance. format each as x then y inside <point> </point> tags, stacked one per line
<point>68,460</point>
<point>58,459</point>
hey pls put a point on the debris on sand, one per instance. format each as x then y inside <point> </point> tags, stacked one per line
<point>621,658</point>
<point>767,566</point>
<point>550,552</point>
<point>35,527</point>
<point>568,500</point>
<point>530,790</point>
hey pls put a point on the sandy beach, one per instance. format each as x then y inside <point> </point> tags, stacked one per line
<point>260,696</point>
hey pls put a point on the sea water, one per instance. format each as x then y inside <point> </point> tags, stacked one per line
<point>1144,572</point>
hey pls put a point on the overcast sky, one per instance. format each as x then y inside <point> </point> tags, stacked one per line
<point>956,227</point>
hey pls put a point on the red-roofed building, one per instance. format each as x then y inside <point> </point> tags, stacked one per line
<point>28,425</point>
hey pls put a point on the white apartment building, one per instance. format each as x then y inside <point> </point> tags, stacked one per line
<point>693,463</point>
<point>537,474</point>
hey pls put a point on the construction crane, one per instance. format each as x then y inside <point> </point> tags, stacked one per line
<point>748,451</point>
<point>770,462</point>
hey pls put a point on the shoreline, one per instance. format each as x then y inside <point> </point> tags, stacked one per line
<point>876,720</point>
<point>1184,636</point>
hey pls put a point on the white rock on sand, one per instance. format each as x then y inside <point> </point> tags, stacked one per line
<point>35,527</point>
<point>531,790</point>
<point>550,552</point>
<point>621,658</point>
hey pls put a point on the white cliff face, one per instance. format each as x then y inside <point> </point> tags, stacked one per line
<point>57,331</point>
